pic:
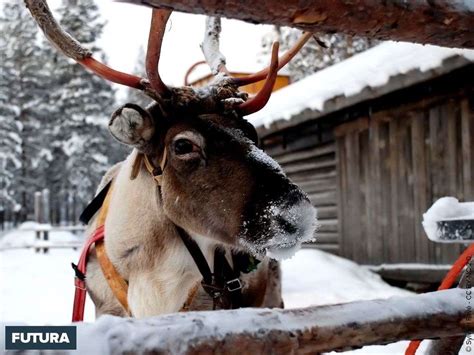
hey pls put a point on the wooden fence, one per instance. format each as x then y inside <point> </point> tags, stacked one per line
<point>43,228</point>
<point>60,208</point>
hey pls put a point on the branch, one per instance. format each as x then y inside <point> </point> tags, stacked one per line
<point>308,330</point>
<point>442,22</point>
<point>210,46</point>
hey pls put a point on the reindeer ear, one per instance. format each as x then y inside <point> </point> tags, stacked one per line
<point>132,125</point>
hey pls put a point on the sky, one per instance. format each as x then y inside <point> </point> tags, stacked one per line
<point>127,30</point>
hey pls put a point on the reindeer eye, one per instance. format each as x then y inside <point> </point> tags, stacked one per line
<point>183,146</point>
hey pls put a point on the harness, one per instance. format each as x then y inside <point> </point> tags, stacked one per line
<point>223,285</point>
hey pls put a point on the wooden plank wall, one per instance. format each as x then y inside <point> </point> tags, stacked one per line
<point>309,160</point>
<point>391,168</point>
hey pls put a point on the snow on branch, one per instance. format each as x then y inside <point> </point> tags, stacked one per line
<point>210,45</point>
<point>307,330</point>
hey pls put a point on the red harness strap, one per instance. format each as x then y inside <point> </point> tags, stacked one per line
<point>80,279</point>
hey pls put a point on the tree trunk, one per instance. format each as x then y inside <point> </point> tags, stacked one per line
<point>308,330</point>
<point>442,22</point>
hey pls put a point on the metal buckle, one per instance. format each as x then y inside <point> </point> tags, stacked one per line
<point>233,285</point>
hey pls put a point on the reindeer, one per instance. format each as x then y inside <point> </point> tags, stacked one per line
<point>195,186</point>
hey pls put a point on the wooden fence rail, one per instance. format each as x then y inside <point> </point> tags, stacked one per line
<point>442,22</point>
<point>296,331</point>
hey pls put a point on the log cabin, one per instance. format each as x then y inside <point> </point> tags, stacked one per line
<point>375,140</point>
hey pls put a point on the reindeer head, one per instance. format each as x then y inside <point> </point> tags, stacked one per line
<point>213,179</point>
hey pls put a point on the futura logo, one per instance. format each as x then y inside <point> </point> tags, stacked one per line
<point>40,338</point>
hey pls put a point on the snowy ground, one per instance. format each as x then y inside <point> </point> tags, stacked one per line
<point>37,289</point>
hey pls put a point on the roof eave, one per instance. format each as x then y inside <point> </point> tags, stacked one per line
<point>340,102</point>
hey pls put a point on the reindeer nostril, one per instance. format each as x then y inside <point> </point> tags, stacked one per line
<point>288,226</point>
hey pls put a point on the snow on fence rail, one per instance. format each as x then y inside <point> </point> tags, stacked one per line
<point>42,229</point>
<point>307,330</point>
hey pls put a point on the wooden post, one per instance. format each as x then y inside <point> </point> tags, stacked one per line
<point>38,206</point>
<point>46,214</point>
<point>62,204</point>
<point>46,206</point>
<point>74,208</point>
<point>38,216</point>
<point>70,207</point>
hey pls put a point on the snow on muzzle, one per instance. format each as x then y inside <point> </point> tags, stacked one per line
<point>278,229</point>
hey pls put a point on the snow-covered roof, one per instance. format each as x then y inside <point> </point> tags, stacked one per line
<point>366,73</point>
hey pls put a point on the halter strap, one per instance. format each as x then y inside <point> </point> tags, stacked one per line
<point>115,281</point>
<point>224,285</point>
<point>156,172</point>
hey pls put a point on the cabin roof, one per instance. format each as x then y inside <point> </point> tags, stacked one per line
<point>380,70</point>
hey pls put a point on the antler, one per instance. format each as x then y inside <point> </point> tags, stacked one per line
<point>210,46</point>
<point>217,62</point>
<point>190,70</point>
<point>282,61</point>
<point>257,102</point>
<point>224,93</point>
<point>159,19</point>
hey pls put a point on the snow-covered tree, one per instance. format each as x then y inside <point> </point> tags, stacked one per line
<point>327,50</point>
<point>83,103</point>
<point>10,141</point>
<point>53,113</point>
<point>22,91</point>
